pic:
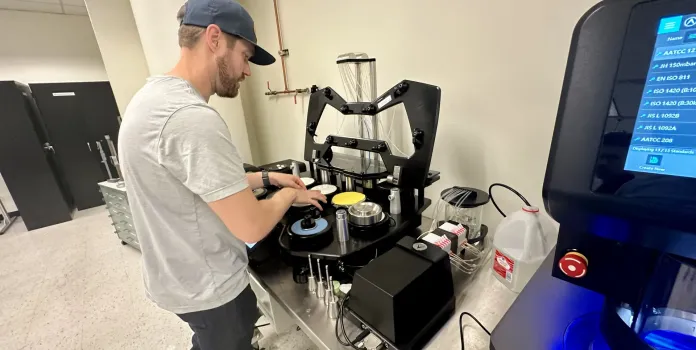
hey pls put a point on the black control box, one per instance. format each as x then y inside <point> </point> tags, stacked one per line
<point>406,294</point>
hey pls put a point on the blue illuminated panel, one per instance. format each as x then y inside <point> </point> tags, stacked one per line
<point>668,340</point>
<point>664,137</point>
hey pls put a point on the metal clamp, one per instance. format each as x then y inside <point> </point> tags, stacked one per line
<point>311,280</point>
<point>394,178</point>
<point>320,285</point>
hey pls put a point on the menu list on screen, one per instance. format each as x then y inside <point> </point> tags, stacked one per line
<point>664,137</point>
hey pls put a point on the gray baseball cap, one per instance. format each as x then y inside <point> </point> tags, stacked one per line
<point>232,19</point>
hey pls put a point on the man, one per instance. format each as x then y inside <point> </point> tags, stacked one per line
<point>191,201</point>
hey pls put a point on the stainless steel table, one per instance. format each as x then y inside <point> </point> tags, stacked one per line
<point>481,295</point>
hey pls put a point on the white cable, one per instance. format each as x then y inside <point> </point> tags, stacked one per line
<point>462,197</point>
<point>345,78</point>
<point>354,77</point>
<point>391,123</point>
<point>459,266</point>
<point>340,126</point>
<point>468,266</point>
<point>367,127</point>
<point>345,89</point>
<point>479,255</point>
<point>442,199</point>
<point>351,78</point>
<point>438,205</point>
<point>388,136</point>
<point>355,88</point>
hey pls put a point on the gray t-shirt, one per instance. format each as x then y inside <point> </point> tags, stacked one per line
<point>177,156</point>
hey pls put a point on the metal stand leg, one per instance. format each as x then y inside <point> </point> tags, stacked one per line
<point>6,219</point>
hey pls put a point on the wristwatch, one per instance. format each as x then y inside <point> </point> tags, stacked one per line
<point>265,178</point>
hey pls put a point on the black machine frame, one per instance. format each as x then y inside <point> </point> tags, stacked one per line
<point>623,238</point>
<point>422,103</point>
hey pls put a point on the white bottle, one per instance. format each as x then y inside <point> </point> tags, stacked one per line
<point>521,243</point>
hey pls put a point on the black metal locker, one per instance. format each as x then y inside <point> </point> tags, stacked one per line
<point>27,163</point>
<point>77,116</point>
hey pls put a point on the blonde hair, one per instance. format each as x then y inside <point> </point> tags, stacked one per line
<point>190,34</point>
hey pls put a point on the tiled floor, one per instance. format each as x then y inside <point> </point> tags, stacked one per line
<point>74,286</point>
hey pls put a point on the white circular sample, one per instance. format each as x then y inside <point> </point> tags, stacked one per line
<point>307,181</point>
<point>325,189</point>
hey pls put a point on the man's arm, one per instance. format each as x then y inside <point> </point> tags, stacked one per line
<point>196,147</point>
<point>254,180</point>
<point>277,179</point>
<point>250,219</point>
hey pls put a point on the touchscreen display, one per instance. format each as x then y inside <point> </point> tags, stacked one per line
<point>664,136</point>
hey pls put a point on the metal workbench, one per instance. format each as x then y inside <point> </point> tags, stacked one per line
<point>480,294</point>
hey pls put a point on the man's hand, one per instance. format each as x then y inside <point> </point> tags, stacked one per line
<point>286,180</point>
<point>310,197</point>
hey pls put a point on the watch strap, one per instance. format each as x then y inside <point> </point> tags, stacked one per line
<point>265,178</point>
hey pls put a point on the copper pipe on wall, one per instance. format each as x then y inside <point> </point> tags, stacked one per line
<point>295,91</point>
<point>283,52</point>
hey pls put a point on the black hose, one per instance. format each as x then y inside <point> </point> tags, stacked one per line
<point>490,193</point>
<point>347,342</point>
<point>461,327</point>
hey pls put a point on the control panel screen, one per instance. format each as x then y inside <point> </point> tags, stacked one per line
<point>664,135</point>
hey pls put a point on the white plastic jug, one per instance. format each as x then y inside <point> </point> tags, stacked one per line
<point>521,243</point>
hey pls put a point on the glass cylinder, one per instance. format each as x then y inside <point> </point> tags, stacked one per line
<point>667,317</point>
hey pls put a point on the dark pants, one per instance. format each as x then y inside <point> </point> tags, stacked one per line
<point>228,327</point>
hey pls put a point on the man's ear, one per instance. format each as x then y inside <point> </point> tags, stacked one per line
<point>213,37</point>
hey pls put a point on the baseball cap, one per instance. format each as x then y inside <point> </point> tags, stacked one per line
<point>232,19</point>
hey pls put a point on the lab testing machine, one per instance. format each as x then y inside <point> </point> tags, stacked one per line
<point>372,201</point>
<point>366,232</point>
<point>621,181</point>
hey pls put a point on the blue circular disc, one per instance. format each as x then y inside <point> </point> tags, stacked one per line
<point>321,225</point>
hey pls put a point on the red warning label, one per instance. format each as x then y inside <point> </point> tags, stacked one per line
<point>503,266</point>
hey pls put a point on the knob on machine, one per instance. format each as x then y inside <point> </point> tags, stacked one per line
<point>310,232</point>
<point>308,223</point>
<point>573,265</point>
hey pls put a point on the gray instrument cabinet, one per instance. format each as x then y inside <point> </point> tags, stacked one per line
<point>116,201</point>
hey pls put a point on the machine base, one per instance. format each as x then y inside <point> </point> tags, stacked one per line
<point>559,315</point>
<point>421,338</point>
<point>386,236</point>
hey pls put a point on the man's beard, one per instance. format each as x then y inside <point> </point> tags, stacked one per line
<point>227,85</point>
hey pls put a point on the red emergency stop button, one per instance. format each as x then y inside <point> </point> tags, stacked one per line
<point>573,265</point>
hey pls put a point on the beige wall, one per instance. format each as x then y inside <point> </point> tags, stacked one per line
<point>157,26</point>
<point>43,48</point>
<point>500,65</point>
<point>119,43</point>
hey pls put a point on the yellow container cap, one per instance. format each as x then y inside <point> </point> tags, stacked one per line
<point>346,199</point>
